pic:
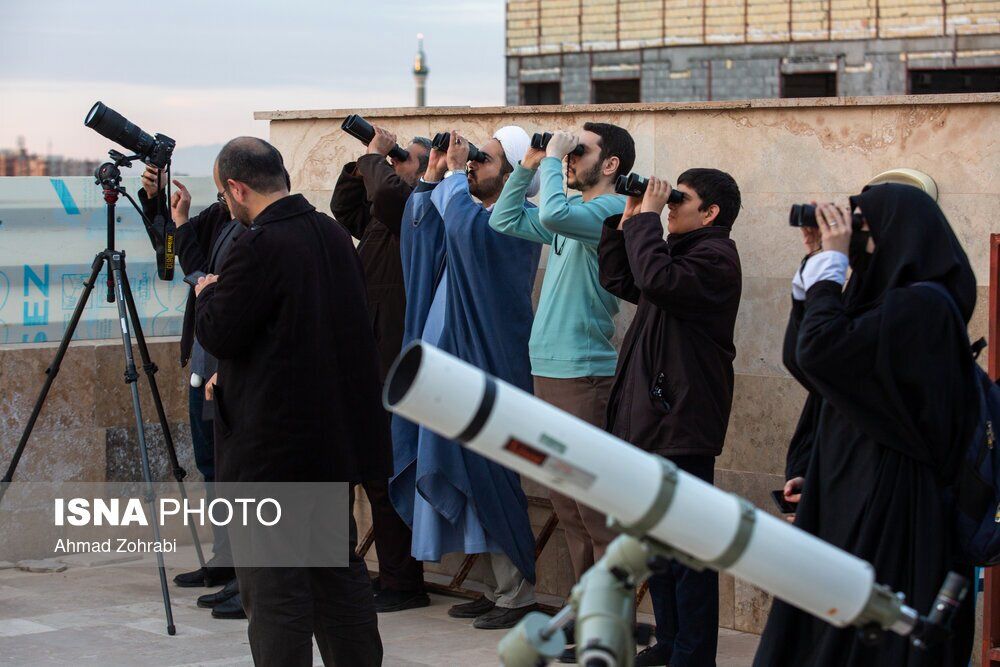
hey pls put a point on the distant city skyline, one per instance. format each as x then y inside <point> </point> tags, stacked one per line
<point>59,57</point>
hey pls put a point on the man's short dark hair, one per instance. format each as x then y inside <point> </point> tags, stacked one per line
<point>425,158</point>
<point>715,187</point>
<point>615,142</point>
<point>252,161</point>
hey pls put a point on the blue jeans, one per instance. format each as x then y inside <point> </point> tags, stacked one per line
<point>686,602</point>
<point>203,441</point>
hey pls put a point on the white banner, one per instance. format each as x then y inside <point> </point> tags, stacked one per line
<point>50,231</point>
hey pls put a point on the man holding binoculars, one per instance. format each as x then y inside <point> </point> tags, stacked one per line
<point>673,388</point>
<point>368,201</point>
<point>572,358</point>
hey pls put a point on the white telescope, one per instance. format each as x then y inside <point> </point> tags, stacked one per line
<point>646,495</point>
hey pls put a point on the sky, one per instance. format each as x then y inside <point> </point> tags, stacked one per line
<point>196,71</point>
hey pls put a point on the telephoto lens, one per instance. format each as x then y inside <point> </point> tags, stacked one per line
<point>362,130</point>
<point>635,185</point>
<point>804,215</point>
<point>442,140</point>
<point>114,126</point>
<point>540,141</point>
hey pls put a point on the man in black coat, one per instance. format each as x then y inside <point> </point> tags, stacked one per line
<point>202,243</point>
<point>368,201</point>
<point>297,398</point>
<point>673,386</point>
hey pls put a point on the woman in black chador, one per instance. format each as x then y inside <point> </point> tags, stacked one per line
<point>888,419</point>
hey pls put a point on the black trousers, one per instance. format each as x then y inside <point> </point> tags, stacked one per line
<point>287,606</point>
<point>397,569</point>
<point>203,442</point>
<point>686,602</point>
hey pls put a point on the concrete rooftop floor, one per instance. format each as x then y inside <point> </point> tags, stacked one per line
<point>112,615</point>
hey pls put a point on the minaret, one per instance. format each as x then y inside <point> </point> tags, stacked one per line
<point>420,71</point>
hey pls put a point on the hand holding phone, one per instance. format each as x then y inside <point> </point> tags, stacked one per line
<point>193,277</point>
<point>785,507</point>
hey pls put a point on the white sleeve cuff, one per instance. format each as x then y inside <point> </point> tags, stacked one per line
<point>798,287</point>
<point>826,265</point>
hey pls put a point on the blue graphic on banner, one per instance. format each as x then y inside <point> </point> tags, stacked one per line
<point>65,197</point>
<point>51,231</point>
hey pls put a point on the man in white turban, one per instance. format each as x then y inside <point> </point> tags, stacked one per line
<point>468,292</point>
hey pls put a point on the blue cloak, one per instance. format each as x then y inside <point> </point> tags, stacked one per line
<point>483,281</point>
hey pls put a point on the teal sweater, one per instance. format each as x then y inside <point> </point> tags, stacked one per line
<point>571,334</point>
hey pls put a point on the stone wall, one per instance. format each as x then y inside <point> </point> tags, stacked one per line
<point>780,152</point>
<point>86,431</point>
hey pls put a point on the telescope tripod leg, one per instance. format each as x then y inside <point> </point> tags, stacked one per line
<point>53,370</point>
<point>150,369</point>
<point>131,378</point>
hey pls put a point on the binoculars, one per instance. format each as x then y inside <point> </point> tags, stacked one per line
<point>442,140</point>
<point>540,140</point>
<point>804,215</point>
<point>635,185</point>
<point>362,130</point>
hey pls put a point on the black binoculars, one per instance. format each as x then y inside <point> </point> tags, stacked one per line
<point>804,215</point>
<point>442,140</point>
<point>362,130</point>
<point>635,185</point>
<point>540,140</point>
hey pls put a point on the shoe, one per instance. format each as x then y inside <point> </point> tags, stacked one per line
<point>388,600</point>
<point>568,656</point>
<point>477,607</point>
<point>206,576</point>
<point>194,579</point>
<point>231,608</point>
<point>502,618</point>
<point>213,600</point>
<point>653,656</point>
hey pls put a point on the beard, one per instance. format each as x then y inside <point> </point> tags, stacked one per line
<point>585,180</point>
<point>482,190</point>
<point>241,213</point>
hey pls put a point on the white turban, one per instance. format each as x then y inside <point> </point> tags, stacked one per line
<point>515,143</point>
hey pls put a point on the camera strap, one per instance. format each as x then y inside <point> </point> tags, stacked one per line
<point>165,255</point>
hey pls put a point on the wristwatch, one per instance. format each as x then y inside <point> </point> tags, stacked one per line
<point>452,172</point>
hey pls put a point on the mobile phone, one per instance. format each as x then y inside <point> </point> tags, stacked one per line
<point>193,277</point>
<point>784,506</point>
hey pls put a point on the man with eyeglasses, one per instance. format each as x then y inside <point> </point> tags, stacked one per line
<point>202,243</point>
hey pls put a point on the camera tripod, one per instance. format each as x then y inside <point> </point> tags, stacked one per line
<point>109,177</point>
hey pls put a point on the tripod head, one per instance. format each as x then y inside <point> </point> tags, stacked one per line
<point>109,174</point>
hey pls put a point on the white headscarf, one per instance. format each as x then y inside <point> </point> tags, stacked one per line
<point>515,143</point>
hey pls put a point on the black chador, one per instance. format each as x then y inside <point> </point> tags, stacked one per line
<point>889,416</point>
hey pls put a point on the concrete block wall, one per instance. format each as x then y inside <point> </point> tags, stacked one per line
<point>751,71</point>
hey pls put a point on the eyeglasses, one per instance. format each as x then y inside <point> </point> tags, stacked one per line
<point>221,198</point>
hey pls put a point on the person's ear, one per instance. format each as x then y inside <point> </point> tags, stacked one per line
<point>709,215</point>
<point>237,190</point>
<point>611,165</point>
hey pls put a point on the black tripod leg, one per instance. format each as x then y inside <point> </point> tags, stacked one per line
<point>52,371</point>
<point>131,378</point>
<point>150,369</point>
